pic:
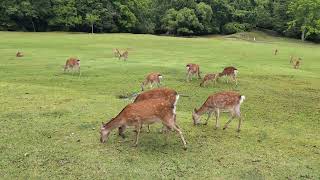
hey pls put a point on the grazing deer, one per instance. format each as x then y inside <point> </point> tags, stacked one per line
<point>152,78</point>
<point>116,52</point>
<point>73,64</point>
<point>19,54</point>
<point>123,55</point>
<point>192,69</point>
<point>143,112</point>
<point>229,101</point>
<point>295,62</point>
<point>209,77</point>
<point>275,51</point>
<point>230,72</point>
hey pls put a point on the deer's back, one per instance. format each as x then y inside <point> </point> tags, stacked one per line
<point>224,100</point>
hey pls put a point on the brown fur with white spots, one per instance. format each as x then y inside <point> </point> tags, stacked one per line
<point>73,64</point>
<point>209,77</point>
<point>230,72</point>
<point>229,101</point>
<point>192,69</point>
<point>151,79</point>
<point>143,112</point>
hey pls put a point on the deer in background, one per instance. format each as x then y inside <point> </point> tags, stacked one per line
<point>230,72</point>
<point>229,101</point>
<point>143,112</point>
<point>275,51</point>
<point>192,69</point>
<point>295,62</point>
<point>151,79</point>
<point>116,52</point>
<point>19,54</point>
<point>123,55</point>
<point>207,78</point>
<point>73,64</point>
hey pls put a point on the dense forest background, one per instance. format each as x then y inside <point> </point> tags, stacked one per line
<point>291,18</point>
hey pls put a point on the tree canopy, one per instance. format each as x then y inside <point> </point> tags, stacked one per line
<point>292,18</point>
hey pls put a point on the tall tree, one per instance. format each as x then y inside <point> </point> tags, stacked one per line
<point>306,16</point>
<point>91,19</point>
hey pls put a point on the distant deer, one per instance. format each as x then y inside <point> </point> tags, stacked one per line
<point>116,52</point>
<point>151,79</point>
<point>143,112</point>
<point>215,103</point>
<point>275,51</point>
<point>295,62</point>
<point>19,54</point>
<point>209,77</point>
<point>73,64</point>
<point>123,55</point>
<point>192,69</point>
<point>230,72</point>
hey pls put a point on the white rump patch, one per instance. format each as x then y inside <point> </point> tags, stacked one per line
<point>242,98</point>
<point>160,77</point>
<point>188,67</point>
<point>235,72</point>
<point>175,104</point>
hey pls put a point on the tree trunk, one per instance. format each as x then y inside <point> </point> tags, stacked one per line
<point>303,35</point>
<point>34,29</point>
<point>91,28</point>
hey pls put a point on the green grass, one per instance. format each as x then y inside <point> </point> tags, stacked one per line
<point>50,121</point>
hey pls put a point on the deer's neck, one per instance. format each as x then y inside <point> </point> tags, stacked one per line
<point>114,123</point>
<point>203,109</point>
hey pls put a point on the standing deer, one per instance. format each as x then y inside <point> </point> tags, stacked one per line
<point>209,77</point>
<point>73,64</point>
<point>143,112</point>
<point>229,101</point>
<point>123,55</point>
<point>295,62</point>
<point>275,51</point>
<point>116,52</point>
<point>19,54</point>
<point>230,72</point>
<point>152,78</point>
<point>192,69</point>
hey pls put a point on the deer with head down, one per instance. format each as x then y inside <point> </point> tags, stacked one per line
<point>116,52</point>
<point>207,78</point>
<point>151,79</point>
<point>229,101</point>
<point>123,55</point>
<point>192,69</point>
<point>73,64</point>
<point>230,72</point>
<point>143,112</point>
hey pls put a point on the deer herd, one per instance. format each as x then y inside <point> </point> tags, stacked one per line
<point>160,104</point>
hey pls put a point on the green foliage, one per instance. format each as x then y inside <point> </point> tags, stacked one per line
<point>234,27</point>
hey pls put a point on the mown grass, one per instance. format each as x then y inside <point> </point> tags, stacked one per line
<point>50,121</point>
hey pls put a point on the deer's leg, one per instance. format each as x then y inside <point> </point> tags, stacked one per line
<point>188,76</point>
<point>79,71</point>
<point>199,77</point>
<point>217,113</point>
<point>235,79</point>
<point>176,128</point>
<point>238,114</point>
<point>138,127</point>
<point>148,128</point>
<point>226,126</point>
<point>121,131</point>
<point>209,116</point>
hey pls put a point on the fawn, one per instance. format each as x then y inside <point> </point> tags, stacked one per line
<point>73,64</point>
<point>151,79</point>
<point>230,72</point>
<point>192,69</point>
<point>209,77</point>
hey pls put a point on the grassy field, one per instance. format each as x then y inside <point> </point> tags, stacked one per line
<point>50,120</point>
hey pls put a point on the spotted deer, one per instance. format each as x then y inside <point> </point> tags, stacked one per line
<point>295,62</point>
<point>230,72</point>
<point>192,69</point>
<point>116,52</point>
<point>73,64</point>
<point>151,79</point>
<point>222,101</point>
<point>143,112</point>
<point>207,78</point>
<point>19,54</point>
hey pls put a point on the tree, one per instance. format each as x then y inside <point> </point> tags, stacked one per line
<point>306,16</point>
<point>91,19</point>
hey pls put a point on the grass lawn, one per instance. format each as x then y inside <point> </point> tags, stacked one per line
<point>50,120</point>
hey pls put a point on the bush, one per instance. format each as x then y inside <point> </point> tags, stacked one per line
<point>234,27</point>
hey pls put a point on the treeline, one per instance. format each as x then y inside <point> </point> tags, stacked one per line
<point>292,18</point>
